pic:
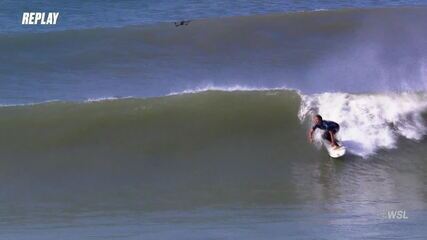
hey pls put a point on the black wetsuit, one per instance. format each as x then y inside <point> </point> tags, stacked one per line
<point>327,126</point>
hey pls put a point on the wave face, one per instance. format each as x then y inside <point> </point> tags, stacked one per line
<point>359,50</point>
<point>204,148</point>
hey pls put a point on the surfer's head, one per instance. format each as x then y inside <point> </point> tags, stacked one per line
<point>317,119</point>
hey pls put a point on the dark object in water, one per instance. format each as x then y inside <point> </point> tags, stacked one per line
<point>181,23</point>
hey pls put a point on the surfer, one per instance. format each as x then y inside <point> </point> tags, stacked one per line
<point>331,128</point>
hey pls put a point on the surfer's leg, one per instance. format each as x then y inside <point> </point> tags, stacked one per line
<point>326,136</point>
<point>334,131</point>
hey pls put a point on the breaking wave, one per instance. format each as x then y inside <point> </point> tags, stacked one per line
<point>371,121</point>
<point>198,147</point>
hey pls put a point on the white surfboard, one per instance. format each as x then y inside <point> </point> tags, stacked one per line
<point>334,152</point>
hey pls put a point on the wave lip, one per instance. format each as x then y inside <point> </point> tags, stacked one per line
<point>370,122</point>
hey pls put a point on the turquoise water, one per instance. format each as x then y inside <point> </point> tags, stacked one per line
<point>303,222</point>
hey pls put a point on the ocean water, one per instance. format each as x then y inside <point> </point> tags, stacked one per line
<point>351,50</point>
<point>80,14</point>
<point>117,124</point>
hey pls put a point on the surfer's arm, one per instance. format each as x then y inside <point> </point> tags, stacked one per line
<point>310,134</point>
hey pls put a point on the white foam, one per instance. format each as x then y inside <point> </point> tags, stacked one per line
<point>30,103</point>
<point>233,88</point>
<point>370,121</point>
<point>100,99</point>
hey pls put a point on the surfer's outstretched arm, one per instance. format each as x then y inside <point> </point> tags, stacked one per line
<point>310,135</point>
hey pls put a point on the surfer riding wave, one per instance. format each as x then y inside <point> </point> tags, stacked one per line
<point>330,129</point>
